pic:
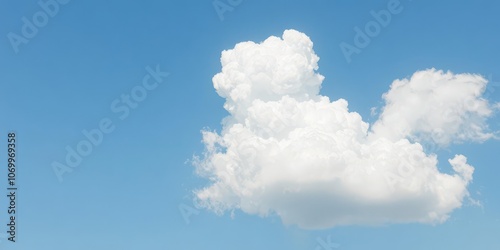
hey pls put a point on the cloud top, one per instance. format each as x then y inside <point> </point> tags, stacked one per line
<point>286,150</point>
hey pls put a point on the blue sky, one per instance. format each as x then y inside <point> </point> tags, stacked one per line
<point>127,192</point>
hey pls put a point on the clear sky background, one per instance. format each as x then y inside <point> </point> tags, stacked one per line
<point>126,194</point>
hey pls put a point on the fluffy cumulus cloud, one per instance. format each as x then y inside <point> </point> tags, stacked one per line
<point>286,150</point>
<point>436,106</point>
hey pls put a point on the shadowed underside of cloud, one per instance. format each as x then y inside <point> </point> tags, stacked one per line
<point>286,150</point>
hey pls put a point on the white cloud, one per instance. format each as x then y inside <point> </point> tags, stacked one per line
<point>286,150</point>
<point>436,106</point>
